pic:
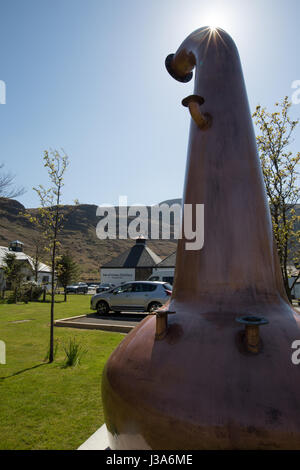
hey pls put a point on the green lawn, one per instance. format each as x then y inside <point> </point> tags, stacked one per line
<point>43,406</point>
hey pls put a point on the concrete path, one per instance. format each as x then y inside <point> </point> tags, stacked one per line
<point>97,441</point>
<point>122,323</point>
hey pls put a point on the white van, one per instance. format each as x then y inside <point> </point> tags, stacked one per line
<point>163,276</point>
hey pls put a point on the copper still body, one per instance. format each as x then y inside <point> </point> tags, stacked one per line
<point>217,372</point>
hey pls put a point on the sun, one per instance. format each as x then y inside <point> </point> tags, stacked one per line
<point>216,17</point>
<point>213,27</point>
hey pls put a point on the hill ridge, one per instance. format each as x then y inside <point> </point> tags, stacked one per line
<point>78,236</point>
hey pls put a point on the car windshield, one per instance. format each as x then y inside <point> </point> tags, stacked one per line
<point>120,288</point>
<point>168,286</point>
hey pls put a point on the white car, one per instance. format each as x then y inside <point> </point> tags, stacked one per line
<point>132,296</point>
<point>164,276</point>
<point>92,288</point>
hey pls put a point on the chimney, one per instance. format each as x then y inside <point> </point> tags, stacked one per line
<point>16,246</point>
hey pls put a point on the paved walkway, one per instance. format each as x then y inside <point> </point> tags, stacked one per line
<point>122,323</point>
<point>97,441</point>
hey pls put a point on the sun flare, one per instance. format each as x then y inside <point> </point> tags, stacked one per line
<point>217,17</point>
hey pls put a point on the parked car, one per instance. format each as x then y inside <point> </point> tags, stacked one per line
<point>164,276</point>
<point>296,292</point>
<point>104,287</point>
<point>80,288</point>
<point>92,288</point>
<point>132,296</point>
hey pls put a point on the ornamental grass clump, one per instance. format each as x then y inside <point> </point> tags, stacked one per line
<point>74,352</point>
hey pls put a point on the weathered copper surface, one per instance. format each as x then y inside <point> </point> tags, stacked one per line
<point>199,387</point>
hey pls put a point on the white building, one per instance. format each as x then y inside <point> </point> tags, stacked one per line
<point>16,247</point>
<point>164,271</point>
<point>294,275</point>
<point>135,264</point>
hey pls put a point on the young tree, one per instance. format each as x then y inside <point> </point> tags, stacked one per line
<point>39,250</point>
<point>67,271</point>
<point>7,186</point>
<point>13,271</point>
<point>49,219</point>
<point>279,167</point>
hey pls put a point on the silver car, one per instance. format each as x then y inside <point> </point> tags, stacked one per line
<point>132,296</point>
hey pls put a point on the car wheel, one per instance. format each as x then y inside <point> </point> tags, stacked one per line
<point>154,306</point>
<point>102,308</point>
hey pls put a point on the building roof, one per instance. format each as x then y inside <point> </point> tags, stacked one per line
<point>168,262</point>
<point>138,256</point>
<point>21,256</point>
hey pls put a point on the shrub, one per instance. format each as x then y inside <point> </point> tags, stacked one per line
<point>11,299</point>
<point>30,291</point>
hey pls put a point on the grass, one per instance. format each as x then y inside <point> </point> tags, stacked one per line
<point>45,406</point>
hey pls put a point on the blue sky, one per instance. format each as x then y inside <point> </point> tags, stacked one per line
<point>89,76</point>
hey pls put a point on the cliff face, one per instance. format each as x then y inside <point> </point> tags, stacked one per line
<point>78,236</point>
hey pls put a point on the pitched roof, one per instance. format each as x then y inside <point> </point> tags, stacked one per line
<point>138,256</point>
<point>168,262</point>
<point>21,256</point>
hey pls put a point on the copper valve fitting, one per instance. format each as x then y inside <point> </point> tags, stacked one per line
<point>252,324</point>
<point>161,322</point>
<point>193,102</point>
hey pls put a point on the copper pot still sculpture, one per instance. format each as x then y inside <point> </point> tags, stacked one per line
<point>217,372</point>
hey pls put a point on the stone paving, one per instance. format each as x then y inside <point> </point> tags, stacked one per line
<point>123,323</point>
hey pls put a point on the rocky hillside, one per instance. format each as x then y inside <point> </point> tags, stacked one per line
<point>78,236</point>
